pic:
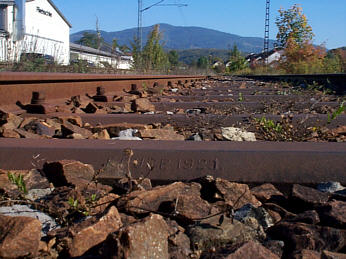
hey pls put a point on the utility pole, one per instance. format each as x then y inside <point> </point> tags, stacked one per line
<point>139,27</point>
<point>140,18</point>
<point>266,31</point>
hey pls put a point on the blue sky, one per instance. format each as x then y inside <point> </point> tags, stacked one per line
<point>242,17</point>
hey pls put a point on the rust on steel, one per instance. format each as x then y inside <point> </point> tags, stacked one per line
<point>18,86</point>
<point>256,162</point>
<point>193,119</point>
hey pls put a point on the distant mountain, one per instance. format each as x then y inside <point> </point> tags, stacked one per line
<point>183,38</point>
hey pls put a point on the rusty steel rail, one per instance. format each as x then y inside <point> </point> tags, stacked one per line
<point>332,81</point>
<point>18,86</point>
<point>255,162</point>
<point>184,120</point>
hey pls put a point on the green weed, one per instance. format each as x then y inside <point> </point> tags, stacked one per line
<point>336,113</point>
<point>18,180</point>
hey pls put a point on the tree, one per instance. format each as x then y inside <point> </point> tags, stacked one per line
<point>90,40</point>
<point>173,58</point>
<point>124,48</point>
<point>114,45</point>
<point>295,36</point>
<point>236,60</point>
<point>153,56</point>
<point>202,62</point>
<point>293,24</point>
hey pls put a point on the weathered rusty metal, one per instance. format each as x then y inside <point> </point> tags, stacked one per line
<point>252,162</point>
<point>18,86</point>
<point>185,120</point>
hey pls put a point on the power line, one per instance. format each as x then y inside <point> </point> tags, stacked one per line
<point>140,17</point>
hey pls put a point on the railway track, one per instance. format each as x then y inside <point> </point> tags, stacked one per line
<point>298,130</point>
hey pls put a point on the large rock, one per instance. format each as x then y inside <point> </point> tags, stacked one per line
<point>235,194</point>
<point>9,120</point>
<point>9,133</point>
<point>298,236</point>
<point>252,250</point>
<point>71,172</point>
<point>177,198</point>
<point>151,200</point>
<point>40,128</point>
<point>68,128</point>
<point>210,234</point>
<point>143,105</point>
<point>308,198</point>
<point>145,239</point>
<point>84,237</point>
<point>47,222</point>
<point>307,254</point>
<point>334,214</point>
<point>236,134</point>
<point>332,255</point>
<point>160,134</point>
<point>260,214</point>
<point>265,192</point>
<point>20,237</point>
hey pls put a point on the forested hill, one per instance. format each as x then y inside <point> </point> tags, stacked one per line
<point>184,38</point>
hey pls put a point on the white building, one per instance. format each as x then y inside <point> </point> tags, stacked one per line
<point>100,58</point>
<point>33,26</point>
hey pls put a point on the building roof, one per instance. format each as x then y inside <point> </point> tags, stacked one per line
<point>81,48</point>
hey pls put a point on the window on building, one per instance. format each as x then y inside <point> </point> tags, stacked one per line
<point>3,17</point>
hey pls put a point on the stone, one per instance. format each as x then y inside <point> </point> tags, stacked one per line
<point>103,134</point>
<point>58,201</point>
<point>40,128</point>
<point>9,133</point>
<point>275,246</point>
<point>236,134</point>
<point>308,198</point>
<point>308,217</point>
<point>179,246</point>
<point>26,134</point>
<point>260,214</point>
<point>143,105</point>
<point>252,250</point>
<point>195,137</point>
<point>127,134</point>
<point>265,192</point>
<point>147,238</point>
<point>90,108</point>
<point>68,128</point>
<point>9,120</point>
<point>330,187</point>
<point>20,236</point>
<point>47,222</point>
<point>176,196</point>
<point>333,214</point>
<point>37,194</point>
<point>160,134</point>
<point>235,194</point>
<point>66,172</point>
<point>84,238</point>
<point>35,180</point>
<point>332,255</point>
<point>209,233</point>
<point>75,120</point>
<point>103,203</point>
<point>308,254</point>
<point>298,236</point>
